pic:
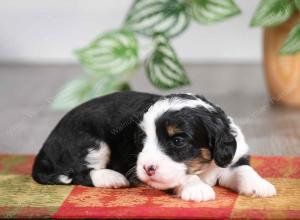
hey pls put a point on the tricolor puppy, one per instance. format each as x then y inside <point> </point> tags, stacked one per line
<point>181,142</point>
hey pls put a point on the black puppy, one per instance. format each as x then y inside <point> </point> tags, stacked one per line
<point>180,141</point>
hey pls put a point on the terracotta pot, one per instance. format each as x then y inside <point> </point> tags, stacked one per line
<point>282,72</point>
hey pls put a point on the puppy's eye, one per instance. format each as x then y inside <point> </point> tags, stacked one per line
<point>178,141</point>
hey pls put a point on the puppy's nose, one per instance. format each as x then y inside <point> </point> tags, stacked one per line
<point>150,170</point>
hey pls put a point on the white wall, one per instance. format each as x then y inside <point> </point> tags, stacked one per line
<point>49,30</point>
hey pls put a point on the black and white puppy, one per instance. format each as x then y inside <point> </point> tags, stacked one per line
<point>180,141</point>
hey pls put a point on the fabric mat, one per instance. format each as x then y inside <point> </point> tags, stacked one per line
<point>21,197</point>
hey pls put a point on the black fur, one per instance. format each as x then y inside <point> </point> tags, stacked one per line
<point>202,128</point>
<point>192,132</point>
<point>245,160</point>
<point>221,138</point>
<point>114,119</point>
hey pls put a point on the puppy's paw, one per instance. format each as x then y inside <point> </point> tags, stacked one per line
<point>257,188</point>
<point>196,192</point>
<point>108,179</point>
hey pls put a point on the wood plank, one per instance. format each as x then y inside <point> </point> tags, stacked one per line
<point>27,90</point>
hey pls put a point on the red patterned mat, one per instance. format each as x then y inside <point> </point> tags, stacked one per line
<point>20,197</point>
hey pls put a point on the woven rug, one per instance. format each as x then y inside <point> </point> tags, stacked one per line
<point>21,197</point>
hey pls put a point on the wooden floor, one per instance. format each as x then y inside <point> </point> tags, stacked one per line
<point>27,90</point>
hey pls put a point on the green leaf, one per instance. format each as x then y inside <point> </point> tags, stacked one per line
<point>297,3</point>
<point>148,17</point>
<point>113,53</point>
<point>210,11</point>
<point>72,94</point>
<point>292,43</point>
<point>272,13</point>
<point>109,59</point>
<point>83,89</point>
<point>163,68</point>
<point>106,85</point>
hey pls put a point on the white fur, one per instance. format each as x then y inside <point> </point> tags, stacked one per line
<point>211,174</point>
<point>242,179</point>
<point>151,153</point>
<point>173,104</point>
<point>241,147</point>
<point>168,174</point>
<point>193,189</point>
<point>108,178</point>
<point>246,181</point>
<point>98,158</point>
<point>64,179</point>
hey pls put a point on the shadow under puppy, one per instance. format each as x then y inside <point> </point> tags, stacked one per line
<point>180,141</point>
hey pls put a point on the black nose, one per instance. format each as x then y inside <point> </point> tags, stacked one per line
<point>150,170</point>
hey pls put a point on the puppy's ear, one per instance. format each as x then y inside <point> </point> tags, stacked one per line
<point>224,149</point>
<point>222,142</point>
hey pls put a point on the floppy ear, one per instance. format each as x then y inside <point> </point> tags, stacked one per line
<point>224,149</point>
<point>222,142</point>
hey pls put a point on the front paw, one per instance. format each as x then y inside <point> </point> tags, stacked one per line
<point>196,192</point>
<point>257,188</point>
<point>108,179</point>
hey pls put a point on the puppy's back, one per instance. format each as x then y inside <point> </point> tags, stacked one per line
<point>62,156</point>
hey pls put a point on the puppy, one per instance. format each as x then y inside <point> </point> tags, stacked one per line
<point>181,142</point>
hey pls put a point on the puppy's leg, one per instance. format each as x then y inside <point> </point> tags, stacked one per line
<point>246,181</point>
<point>108,178</point>
<point>97,159</point>
<point>194,189</point>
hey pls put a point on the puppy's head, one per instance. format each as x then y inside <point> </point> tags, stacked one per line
<point>182,136</point>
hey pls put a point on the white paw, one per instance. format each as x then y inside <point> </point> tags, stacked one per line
<point>196,192</point>
<point>108,179</point>
<point>64,179</point>
<point>257,188</point>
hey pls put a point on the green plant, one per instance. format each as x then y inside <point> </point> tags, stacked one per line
<point>112,58</point>
<point>274,12</point>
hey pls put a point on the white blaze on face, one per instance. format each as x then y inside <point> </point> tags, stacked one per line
<point>169,173</point>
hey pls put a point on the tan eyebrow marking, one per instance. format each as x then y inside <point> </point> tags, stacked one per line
<point>173,129</point>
